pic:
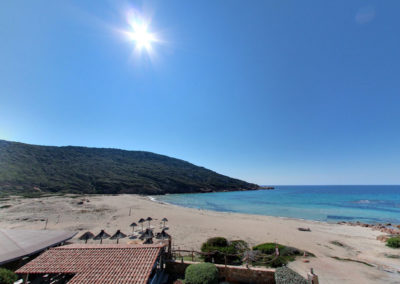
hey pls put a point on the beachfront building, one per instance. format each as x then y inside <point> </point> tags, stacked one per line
<point>18,246</point>
<point>111,263</point>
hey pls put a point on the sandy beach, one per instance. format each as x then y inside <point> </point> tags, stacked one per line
<point>190,227</point>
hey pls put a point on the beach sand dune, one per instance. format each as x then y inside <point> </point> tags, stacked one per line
<point>337,247</point>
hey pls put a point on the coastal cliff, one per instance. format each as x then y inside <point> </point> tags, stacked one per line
<point>32,168</point>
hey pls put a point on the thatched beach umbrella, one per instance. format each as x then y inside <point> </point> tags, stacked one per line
<point>118,235</point>
<point>148,234</point>
<point>133,225</point>
<point>148,241</point>
<point>141,222</point>
<point>149,219</point>
<point>163,235</point>
<point>86,236</point>
<point>102,235</point>
<point>164,220</point>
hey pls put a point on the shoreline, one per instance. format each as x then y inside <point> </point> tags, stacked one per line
<point>390,229</point>
<point>152,199</point>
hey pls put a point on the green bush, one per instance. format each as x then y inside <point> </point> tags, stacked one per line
<point>202,273</point>
<point>393,242</point>
<point>220,246</point>
<point>284,275</point>
<point>7,276</point>
<point>278,262</point>
<point>286,254</point>
<point>290,251</point>
<point>217,242</point>
<point>268,248</point>
<point>240,245</point>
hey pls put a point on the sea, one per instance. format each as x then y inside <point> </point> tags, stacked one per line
<point>368,204</point>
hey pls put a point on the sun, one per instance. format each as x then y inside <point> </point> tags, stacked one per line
<point>141,36</point>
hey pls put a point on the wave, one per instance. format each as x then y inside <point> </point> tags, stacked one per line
<point>362,201</point>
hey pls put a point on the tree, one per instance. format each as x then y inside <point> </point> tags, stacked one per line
<point>7,276</point>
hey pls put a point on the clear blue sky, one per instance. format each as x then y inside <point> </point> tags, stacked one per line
<point>273,92</point>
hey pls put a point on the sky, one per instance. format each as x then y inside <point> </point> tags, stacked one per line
<point>272,92</point>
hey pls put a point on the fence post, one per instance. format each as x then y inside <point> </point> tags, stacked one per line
<point>169,255</point>
<point>313,278</point>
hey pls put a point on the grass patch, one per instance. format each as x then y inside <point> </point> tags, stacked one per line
<point>337,243</point>
<point>395,256</point>
<point>196,258</point>
<point>393,242</point>
<point>342,245</point>
<point>352,260</point>
<point>286,254</point>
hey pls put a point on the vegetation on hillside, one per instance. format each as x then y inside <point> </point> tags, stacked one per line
<point>28,169</point>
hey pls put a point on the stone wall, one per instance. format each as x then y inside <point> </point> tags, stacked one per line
<point>229,273</point>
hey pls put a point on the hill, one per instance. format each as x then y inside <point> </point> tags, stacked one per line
<point>33,168</point>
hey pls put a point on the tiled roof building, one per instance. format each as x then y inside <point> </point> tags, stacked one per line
<point>99,263</point>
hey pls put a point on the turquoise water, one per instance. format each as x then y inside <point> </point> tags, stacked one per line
<point>369,204</point>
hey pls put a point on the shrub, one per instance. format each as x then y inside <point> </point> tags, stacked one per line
<point>268,248</point>
<point>240,245</point>
<point>278,262</point>
<point>7,276</point>
<point>290,251</point>
<point>393,242</point>
<point>217,242</point>
<point>284,275</point>
<point>202,273</point>
<point>286,254</point>
<point>220,246</point>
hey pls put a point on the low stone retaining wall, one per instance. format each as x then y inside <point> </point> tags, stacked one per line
<point>229,273</point>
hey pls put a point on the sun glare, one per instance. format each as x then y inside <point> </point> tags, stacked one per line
<point>141,36</point>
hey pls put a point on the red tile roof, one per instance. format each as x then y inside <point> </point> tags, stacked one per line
<point>97,263</point>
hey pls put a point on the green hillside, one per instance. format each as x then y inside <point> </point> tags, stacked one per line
<point>32,168</point>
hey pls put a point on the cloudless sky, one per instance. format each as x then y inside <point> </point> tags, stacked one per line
<point>272,92</point>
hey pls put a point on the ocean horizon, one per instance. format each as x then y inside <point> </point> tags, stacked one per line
<point>328,203</point>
